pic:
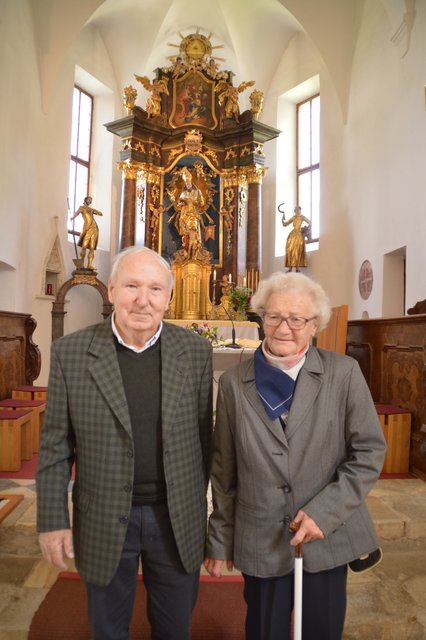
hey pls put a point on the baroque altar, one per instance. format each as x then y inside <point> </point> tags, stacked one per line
<point>192,168</point>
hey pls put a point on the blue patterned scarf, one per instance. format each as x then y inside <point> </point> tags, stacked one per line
<point>275,388</point>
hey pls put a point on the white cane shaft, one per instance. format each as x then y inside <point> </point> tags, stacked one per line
<point>298,581</point>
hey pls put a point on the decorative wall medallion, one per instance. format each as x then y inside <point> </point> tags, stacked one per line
<point>365,279</point>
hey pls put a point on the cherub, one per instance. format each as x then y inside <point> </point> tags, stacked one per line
<point>157,87</point>
<point>230,93</point>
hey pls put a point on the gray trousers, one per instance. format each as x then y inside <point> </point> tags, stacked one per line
<point>171,592</point>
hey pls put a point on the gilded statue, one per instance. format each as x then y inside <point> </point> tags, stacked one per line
<point>190,207</point>
<point>88,240</point>
<point>228,95</point>
<point>157,87</point>
<point>129,98</point>
<point>295,248</point>
<point>256,103</point>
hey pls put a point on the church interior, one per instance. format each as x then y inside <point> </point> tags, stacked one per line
<point>194,151</point>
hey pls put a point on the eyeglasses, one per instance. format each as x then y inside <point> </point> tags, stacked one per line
<point>293,322</point>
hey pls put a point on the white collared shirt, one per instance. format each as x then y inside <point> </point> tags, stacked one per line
<point>146,346</point>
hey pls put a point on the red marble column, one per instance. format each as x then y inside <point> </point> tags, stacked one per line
<point>254,227</point>
<point>128,209</point>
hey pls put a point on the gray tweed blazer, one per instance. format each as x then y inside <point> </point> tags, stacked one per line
<point>325,462</point>
<point>87,420</point>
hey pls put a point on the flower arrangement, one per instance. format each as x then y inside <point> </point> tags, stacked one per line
<point>239,298</point>
<point>205,331</point>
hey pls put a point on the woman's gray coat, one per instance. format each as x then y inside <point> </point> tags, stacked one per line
<point>325,462</point>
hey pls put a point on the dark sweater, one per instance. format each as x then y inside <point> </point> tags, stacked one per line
<point>141,374</point>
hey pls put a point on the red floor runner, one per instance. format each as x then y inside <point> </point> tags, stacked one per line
<point>219,613</point>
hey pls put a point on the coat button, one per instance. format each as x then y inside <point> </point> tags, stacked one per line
<point>130,453</point>
<point>287,521</point>
<point>123,519</point>
<point>286,488</point>
<point>127,488</point>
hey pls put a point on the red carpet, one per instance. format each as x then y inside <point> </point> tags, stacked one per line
<point>219,613</point>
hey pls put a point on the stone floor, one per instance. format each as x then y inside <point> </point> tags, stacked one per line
<point>386,603</point>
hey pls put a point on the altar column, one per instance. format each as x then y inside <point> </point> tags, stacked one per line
<point>128,204</point>
<point>254,219</point>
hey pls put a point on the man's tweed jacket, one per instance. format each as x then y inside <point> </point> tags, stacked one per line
<point>87,419</point>
<point>325,462</point>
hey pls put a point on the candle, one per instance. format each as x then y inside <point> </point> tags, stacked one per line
<point>214,275</point>
<point>230,278</point>
<point>244,282</point>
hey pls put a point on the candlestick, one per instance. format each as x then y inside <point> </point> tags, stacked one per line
<point>214,275</point>
<point>230,278</point>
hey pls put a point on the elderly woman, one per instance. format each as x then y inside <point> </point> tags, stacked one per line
<point>297,441</point>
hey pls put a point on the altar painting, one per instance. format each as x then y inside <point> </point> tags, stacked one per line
<point>193,101</point>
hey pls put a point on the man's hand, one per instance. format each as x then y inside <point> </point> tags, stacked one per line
<point>214,567</point>
<point>56,546</point>
<point>307,529</point>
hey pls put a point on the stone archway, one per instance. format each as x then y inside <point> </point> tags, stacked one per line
<point>58,306</point>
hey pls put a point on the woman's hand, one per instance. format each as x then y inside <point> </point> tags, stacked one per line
<point>306,529</point>
<point>214,567</point>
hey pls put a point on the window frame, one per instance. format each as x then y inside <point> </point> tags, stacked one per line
<point>311,168</point>
<point>79,161</point>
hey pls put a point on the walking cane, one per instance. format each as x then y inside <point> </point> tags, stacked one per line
<point>298,587</point>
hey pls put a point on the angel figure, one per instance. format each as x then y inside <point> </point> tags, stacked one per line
<point>157,87</point>
<point>230,93</point>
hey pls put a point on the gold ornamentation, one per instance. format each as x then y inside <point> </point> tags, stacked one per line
<point>175,152</point>
<point>229,194</point>
<point>255,173</point>
<point>212,154</point>
<point>135,145</point>
<point>230,154</point>
<point>245,151</point>
<point>228,219</point>
<point>156,213</point>
<point>129,169</point>
<point>155,193</point>
<point>258,149</point>
<point>193,141</point>
<point>256,102</point>
<point>129,98</point>
<point>155,150</point>
<point>140,198</point>
<point>228,95</point>
<point>85,279</point>
<point>157,87</point>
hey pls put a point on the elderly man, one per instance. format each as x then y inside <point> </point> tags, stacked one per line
<point>130,404</point>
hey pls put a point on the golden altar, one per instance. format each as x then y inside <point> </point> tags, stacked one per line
<point>192,169</point>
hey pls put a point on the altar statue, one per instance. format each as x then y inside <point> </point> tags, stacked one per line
<point>190,207</point>
<point>156,88</point>
<point>295,248</point>
<point>228,95</point>
<point>88,240</point>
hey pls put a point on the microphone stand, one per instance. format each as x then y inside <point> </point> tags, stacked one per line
<point>233,344</point>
